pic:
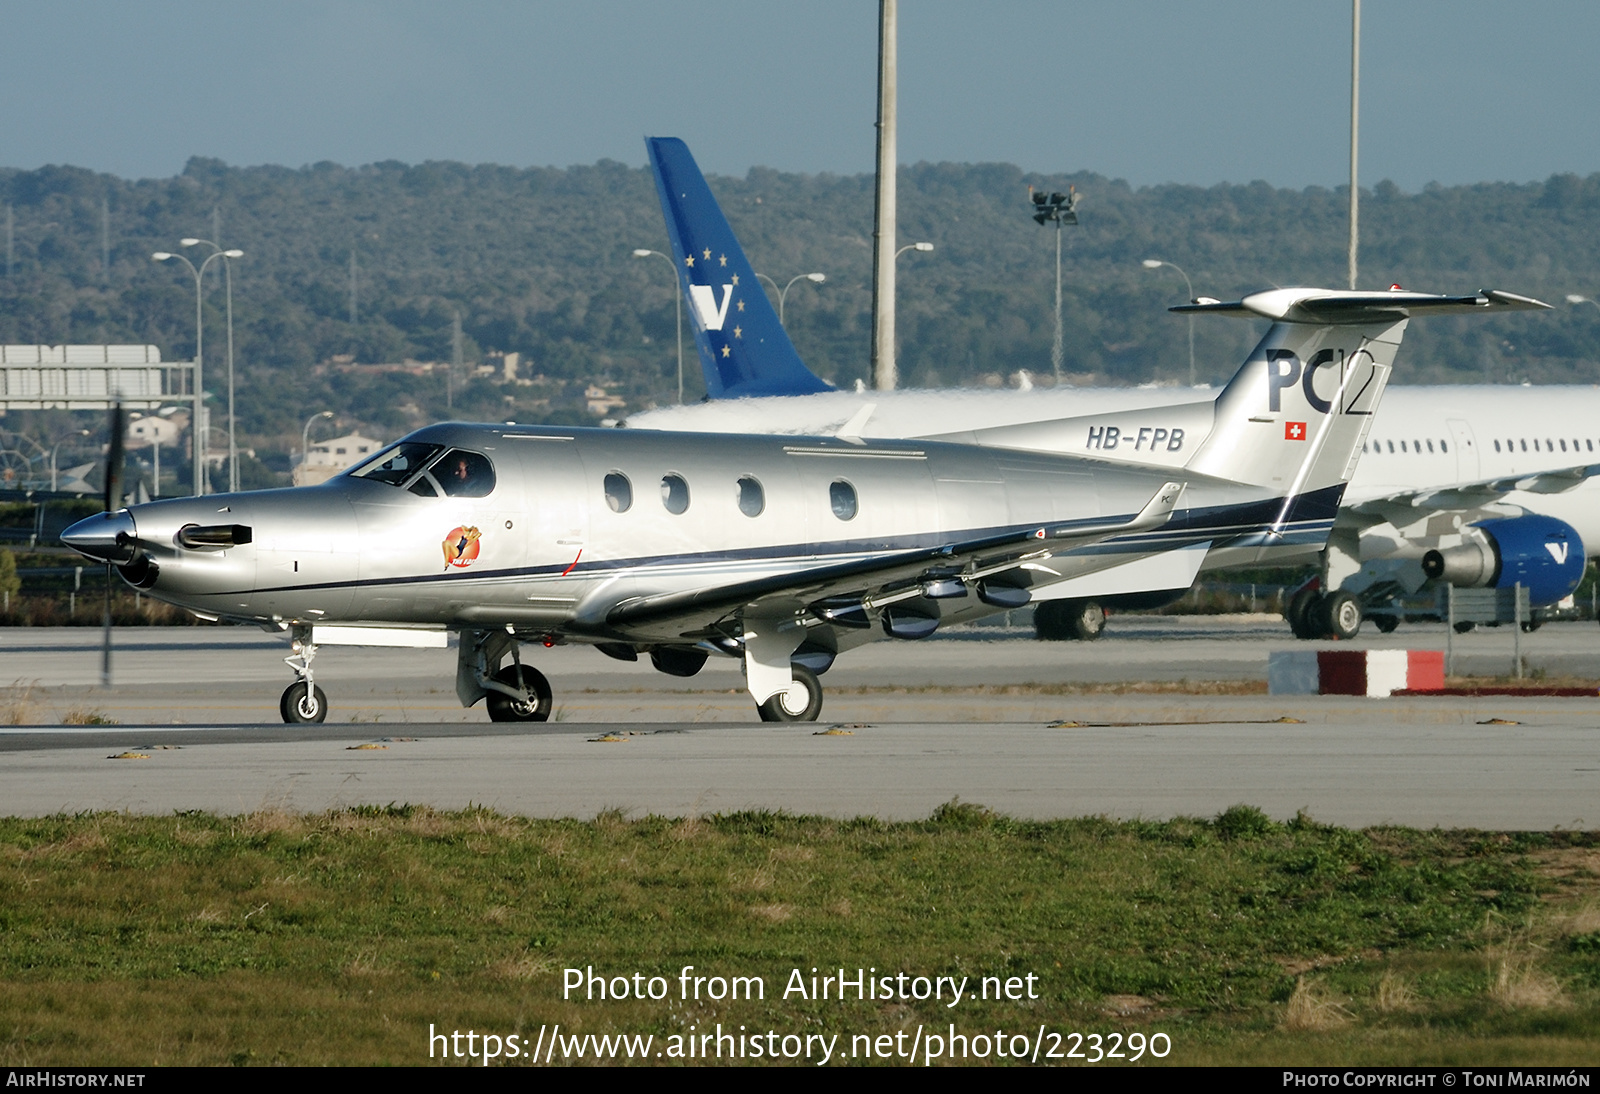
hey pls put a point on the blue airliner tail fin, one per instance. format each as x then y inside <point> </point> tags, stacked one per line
<point>744,350</point>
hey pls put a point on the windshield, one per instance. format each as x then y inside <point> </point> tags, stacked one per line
<point>396,464</point>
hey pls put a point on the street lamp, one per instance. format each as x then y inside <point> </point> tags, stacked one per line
<point>227,276</point>
<point>815,278</point>
<point>56,447</point>
<point>1574,298</point>
<point>305,439</point>
<point>1058,209</point>
<point>1156,264</point>
<point>643,252</point>
<point>197,431</point>
<point>903,250</point>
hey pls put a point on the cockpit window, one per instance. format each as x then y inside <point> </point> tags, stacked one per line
<point>397,463</point>
<point>463,474</point>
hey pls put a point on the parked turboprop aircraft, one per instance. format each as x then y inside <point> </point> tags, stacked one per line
<point>1482,477</point>
<point>780,551</point>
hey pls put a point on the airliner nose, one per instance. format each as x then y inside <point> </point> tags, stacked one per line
<point>109,537</point>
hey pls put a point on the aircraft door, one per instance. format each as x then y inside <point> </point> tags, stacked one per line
<point>1466,446</point>
<point>554,495</point>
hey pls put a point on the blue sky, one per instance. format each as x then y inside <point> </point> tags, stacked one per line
<point>1231,90</point>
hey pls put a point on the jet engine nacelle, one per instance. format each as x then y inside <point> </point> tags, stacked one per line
<point>1545,554</point>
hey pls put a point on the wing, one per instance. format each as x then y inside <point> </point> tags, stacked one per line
<point>1471,495</point>
<point>876,581</point>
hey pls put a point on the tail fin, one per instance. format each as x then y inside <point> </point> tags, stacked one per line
<point>1295,415</point>
<point>743,348</point>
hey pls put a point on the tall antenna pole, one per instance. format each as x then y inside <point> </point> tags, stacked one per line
<point>883,225</point>
<point>455,362</point>
<point>105,238</point>
<point>10,239</point>
<point>1355,132</point>
<point>352,286</point>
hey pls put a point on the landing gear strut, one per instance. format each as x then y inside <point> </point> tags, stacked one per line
<point>302,700</point>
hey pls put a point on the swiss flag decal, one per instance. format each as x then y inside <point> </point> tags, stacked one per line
<point>1294,431</point>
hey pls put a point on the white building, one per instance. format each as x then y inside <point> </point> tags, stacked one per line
<point>327,458</point>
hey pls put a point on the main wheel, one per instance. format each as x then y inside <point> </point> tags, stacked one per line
<point>801,702</point>
<point>303,703</point>
<point>1086,620</point>
<point>1069,620</point>
<point>1385,623</point>
<point>503,708</point>
<point>1340,615</point>
<point>1301,611</point>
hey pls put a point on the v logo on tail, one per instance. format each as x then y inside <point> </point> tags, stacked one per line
<point>743,348</point>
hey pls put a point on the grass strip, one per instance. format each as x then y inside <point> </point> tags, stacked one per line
<point>339,937</point>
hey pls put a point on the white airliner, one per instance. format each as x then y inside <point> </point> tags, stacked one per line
<point>1495,480</point>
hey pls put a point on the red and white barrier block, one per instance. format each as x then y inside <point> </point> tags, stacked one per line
<point>1373,673</point>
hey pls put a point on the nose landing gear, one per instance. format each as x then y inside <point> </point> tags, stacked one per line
<point>302,700</point>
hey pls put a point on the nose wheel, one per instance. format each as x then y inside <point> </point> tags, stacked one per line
<point>303,701</point>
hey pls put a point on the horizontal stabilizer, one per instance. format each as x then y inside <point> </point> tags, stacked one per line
<point>1354,306</point>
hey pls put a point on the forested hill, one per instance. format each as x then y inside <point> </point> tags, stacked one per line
<point>539,261</point>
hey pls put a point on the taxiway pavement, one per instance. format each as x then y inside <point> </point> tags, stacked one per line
<point>984,714</point>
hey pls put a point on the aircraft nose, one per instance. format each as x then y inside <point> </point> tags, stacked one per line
<point>109,537</point>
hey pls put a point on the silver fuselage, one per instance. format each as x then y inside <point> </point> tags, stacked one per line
<point>550,555</point>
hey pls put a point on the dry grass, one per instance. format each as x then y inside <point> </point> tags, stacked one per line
<point>775,913</point>
<point>1312,1010</point>
<point>87,716</point>
<point>16,703</point>
<point>1517,982</point>
<point>1394,994</point>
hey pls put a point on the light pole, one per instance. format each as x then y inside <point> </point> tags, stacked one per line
<point>56,447</point>
<point>197,430</point>
<point>815,278</point>
<point>1058,209</point>
<point>227,277</point>
<point>1156,264</point>
<point>305,439</point>
<point>642,252</point>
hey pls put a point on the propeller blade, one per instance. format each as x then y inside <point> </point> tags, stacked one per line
<point>114,458</point>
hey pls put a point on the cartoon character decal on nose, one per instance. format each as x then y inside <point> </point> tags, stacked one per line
<point>461,546</point>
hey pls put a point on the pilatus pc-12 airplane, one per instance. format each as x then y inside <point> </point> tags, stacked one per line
<point>1475,485</point>
<point>781,551</point>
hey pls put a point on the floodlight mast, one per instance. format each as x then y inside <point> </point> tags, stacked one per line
<point>1058,209</point>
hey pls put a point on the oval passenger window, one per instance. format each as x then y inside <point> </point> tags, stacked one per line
<point>842,496</point>
<point>619,492</point>
<point>674,494</point>
<point>752,499</point>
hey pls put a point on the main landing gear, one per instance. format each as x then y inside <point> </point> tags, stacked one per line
<point>507,707</point>
<point>802,702</point>
<point>1069,620</point>
<point>1313,615</point>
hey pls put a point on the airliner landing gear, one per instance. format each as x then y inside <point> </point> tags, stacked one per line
<point>525,678</point>
<point>1312,615</point>
<point>302,700</point>
<point>802,702</point>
